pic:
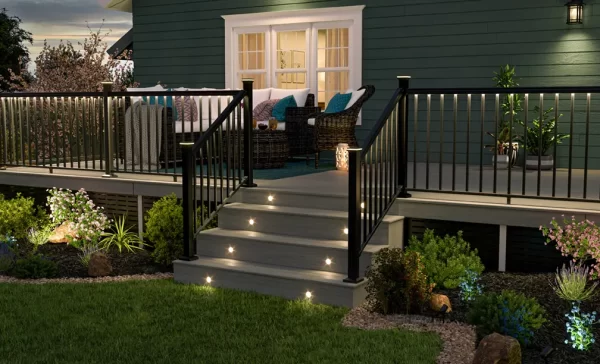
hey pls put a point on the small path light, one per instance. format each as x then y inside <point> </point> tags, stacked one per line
<point>575,12</point>
<point>308,295</point>
<point>208,280</point>
<point>230,250</point>
<point>271,198</point>
<point>251,221</point>
<point>346,231</point>
<point>328,261</point>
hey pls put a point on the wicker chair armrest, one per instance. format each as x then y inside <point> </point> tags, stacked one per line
<point>299,114</point>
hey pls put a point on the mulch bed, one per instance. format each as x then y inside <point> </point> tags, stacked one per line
<point>69,263</point>
<point>553,332</point>
<point>459,338</point>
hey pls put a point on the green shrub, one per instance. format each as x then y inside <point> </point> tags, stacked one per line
<point>35,266</point>
<point>18,215</point>
<point>508,313</point>
<point>39,237</point>
<point>121,237</point>
<point>446,259</point>
<point>164,228</point>
<point>397,282</point>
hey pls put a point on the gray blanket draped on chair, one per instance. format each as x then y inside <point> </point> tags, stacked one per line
<point>143,136</point>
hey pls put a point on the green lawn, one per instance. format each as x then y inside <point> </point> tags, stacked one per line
<point>164,322</point>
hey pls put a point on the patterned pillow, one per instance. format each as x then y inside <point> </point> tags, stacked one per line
<point>264,110</point>
<point>187,108</point>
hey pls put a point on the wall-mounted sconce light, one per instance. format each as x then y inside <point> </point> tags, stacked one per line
<point>575,12</point>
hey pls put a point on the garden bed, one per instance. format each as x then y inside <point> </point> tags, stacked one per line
<point>125,263</point>
<point>552,333</point>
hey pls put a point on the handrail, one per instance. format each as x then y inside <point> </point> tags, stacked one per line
<point>218,121</point>
<point>219,152</point>
<point>377,176</point>
<point>513,90</point>
<point>381,121</point>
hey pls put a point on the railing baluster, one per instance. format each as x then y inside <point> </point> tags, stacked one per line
<point>554,154</point>
<point>496,147</point>
<point>415,142</point>
<point>455,115</point>
<point>539,146</point>
<point>570,175</point>
<point>525,122</point>
<point>481,143</point>
<point>428,150</point>
<point>468,142</point>
<point>510,142</point>
<point>441,160</point>
<point>587,144</point>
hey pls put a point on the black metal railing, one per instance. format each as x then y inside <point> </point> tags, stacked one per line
<point>490,141</point>
<point>377,176</point>
<point>216,165</point>
<point>109,132</point>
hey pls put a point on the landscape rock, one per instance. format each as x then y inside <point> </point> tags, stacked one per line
<point>99,265</point>
<point>438,300</point>
<point>498,349</point>
<point>60,234</point>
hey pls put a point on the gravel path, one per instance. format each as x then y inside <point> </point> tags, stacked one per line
<point>459,338</point>
<point>135,277</point>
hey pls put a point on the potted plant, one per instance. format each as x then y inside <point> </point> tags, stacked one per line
<point>505,78</point>
<point>539,139</point>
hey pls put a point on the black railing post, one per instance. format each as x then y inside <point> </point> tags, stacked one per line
<point>107,124</point>
<point>354,214</point>
<point>404,84</point>
<point>189,215</point>
<point>248,134</point>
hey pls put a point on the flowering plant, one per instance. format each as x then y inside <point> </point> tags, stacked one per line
<point>470,286</point>
<point>87,219</point>
<point>578,239</point>
<point>579,327</point>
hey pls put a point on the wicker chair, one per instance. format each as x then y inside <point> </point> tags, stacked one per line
<point>331,129</point>
<point>296,127</point>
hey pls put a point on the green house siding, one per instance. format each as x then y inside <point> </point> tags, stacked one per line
<point>440,43</point>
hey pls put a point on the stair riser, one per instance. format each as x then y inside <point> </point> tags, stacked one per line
<point>281,254</point>
<point>276,286</point>
<point>260,197</point>
<point>316,227</point>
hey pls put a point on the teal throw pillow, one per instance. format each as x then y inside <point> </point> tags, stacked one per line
<point>279,108</point>
<point>151,100</point>
<point>338,103</point>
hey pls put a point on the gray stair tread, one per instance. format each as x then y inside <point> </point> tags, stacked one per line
<point>336,279</point>
<point>299,211</point>
<point>284,239</point>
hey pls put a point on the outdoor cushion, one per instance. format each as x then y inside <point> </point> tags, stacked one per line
<point>337,103</point>
<point>135,99</point>
<point>187,108</point>
<point>264,110</point>
<point>260,95</point>
<point>284,103</point>
<point>355,96</point>
<point>299,95</point>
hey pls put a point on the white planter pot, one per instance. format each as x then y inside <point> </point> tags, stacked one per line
<point>502,161</point>
<point>546,162</point>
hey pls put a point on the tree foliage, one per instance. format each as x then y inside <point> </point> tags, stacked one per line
<point>14,55</point>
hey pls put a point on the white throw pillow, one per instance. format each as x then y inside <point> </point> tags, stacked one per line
<point>355,96</point>
<point>135,99</point>
<point>299,95</point>
<point>260,95</point>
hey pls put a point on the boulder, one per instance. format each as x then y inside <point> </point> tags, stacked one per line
<point>99,265</point>
<point>438,300</point>
<point>498,349</point>
<point>60,234</point>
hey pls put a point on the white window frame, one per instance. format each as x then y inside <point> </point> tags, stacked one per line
<point>347,16</point>
<point>235,67</point>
